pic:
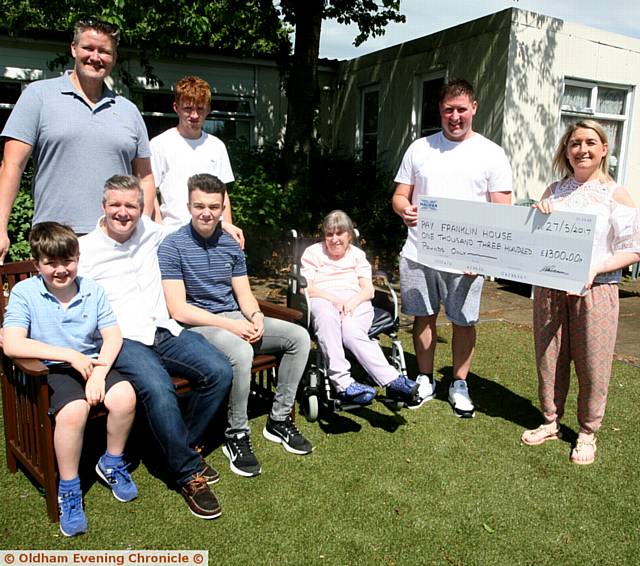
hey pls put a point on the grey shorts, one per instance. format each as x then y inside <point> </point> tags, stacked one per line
<point>423,289</point>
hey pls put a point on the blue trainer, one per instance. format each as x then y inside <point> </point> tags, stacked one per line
<point>402,389</point>
<point>117,478</point>
<point>72,519</point>
<point>357,393</point>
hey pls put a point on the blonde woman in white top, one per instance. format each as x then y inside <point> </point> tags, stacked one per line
<point>582,328</point>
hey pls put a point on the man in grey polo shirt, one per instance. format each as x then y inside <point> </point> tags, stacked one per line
<point>79,133</point>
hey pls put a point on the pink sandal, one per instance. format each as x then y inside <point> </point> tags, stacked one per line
<point>537,436</point>
<point>584,452</point>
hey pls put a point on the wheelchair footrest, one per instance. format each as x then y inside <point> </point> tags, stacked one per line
<point>392,403</point>
<point>338,405</point>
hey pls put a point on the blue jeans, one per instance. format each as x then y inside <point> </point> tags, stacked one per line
<point>148,367</point>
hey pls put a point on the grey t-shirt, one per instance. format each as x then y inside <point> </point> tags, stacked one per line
<point>76,148</point>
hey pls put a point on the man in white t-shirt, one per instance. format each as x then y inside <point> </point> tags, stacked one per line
<point>187,150</point>
<point>455,163</point>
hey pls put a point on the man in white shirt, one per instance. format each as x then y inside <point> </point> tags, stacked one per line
<point>121,255</point>
<point>455,163</point>
<point>187,150</point>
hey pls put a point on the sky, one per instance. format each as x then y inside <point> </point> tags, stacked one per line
<point>424,17</point>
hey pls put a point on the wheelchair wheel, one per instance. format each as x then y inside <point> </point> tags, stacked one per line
<point>311,409</point>
<point>309,397</point>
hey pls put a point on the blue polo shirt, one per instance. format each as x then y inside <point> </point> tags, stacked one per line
<point>206,267</point>
<point>76,148</point>
<point>33,307</point>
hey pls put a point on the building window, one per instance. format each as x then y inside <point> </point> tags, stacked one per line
<point>430,112</point>
<point>609,105</point>
<point>370,110</point>
<point>231,118</point>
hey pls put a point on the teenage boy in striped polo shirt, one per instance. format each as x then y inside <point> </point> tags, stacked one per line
<point>206,287</point>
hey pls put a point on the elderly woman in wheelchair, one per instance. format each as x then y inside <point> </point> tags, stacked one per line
<point>340,289</point>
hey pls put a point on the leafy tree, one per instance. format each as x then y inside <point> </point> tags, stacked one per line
<point>306,16</point>
<point>154,28</point>
<point>246,27</point>
<point>20,220</point>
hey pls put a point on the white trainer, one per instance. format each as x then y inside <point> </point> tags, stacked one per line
<point>426,391</point>
<point>426,387</point>
<point>459,398</point>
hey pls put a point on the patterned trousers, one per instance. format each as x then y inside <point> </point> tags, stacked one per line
<point>582,329</point>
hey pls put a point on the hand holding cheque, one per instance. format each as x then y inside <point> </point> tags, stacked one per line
<point>509,242</point>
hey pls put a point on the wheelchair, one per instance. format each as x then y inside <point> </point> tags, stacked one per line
<point>316,389</point>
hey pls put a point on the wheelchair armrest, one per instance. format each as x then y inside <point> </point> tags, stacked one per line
<point>281,312</point>
<point>301,281</point>
<point>385,297</point>
<point>31,366</point>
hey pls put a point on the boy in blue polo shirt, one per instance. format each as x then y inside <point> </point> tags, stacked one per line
<point>67,322</point>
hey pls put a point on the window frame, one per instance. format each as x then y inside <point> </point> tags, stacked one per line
<point>418,94</point>
<point>9,106</point>
<point>360,133</point>
<point>591,112</point>
<point>218,115</point>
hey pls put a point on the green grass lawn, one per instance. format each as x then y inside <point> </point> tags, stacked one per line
<point>417,487</point>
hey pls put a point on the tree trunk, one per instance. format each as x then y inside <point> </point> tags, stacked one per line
<point>302,86</point>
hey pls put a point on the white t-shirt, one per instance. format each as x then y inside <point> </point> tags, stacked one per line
<point>174,159</point>
<point>466,170</point>
<point>130,275</point>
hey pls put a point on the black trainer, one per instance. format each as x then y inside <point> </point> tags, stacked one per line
<point>200,499</point>
<point>242,459</point>
<point>286,433</point>
<point>209,473</point>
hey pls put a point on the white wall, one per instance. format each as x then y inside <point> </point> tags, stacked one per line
<point>543,51</point>
<point>476,51</point>
<point>26,60</point>
<point>532,111</point>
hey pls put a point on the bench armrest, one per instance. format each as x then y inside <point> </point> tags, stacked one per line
<point>31,366</point>
<point>274,310</point>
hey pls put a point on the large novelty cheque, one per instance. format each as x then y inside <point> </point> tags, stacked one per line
<point>509,242</point>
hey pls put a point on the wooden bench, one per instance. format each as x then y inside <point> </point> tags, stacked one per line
<point>28,427</point>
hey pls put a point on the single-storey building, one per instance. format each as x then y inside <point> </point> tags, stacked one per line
<point>533,74</point>
<point>248,93</point>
